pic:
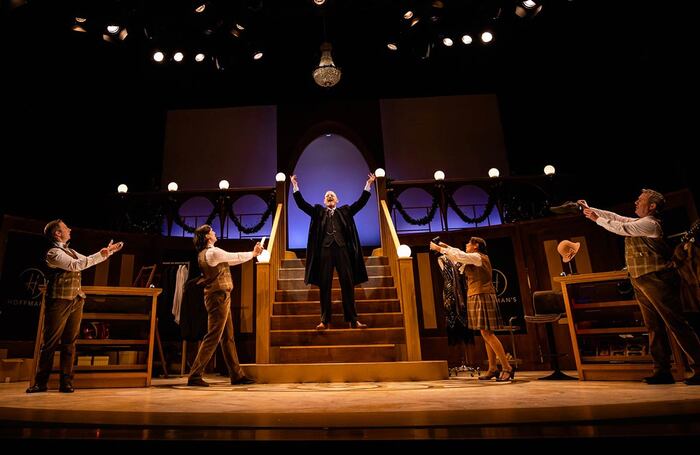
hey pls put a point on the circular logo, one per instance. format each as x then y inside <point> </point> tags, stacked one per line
<point>500,282</point>
<point>32,279</point>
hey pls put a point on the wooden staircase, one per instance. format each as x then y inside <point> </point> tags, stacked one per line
<point>290,349</point>
<point>296,312</point>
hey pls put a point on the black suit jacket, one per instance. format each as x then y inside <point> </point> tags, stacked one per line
<point>315,241</point>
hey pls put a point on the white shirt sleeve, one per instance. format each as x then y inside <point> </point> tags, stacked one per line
<point>368,186</point>
<point>457,255</point>
<point>216,256</point>
<point>612,216</point>
<point>295,188</point>
<point>631,227</point>
<point>56,258</point>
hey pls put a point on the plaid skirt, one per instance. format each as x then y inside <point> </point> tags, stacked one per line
<point>483,312</point>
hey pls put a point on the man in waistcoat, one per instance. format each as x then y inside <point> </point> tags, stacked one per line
<point>656,283</point>
<point>64,300</point>
<point>333,242</point>
<point>215,265</point>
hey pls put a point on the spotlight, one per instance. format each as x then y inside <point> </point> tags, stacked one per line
<point>178,56</point>
<point>408,14</point>
<point>158,56</point>
<point>319,2</point>
<point>257,55</point>
<point>493,172</point>
<point>527,8</point>
<point>549,170</point>
<point>122,188</point>
<point>447,41</point>
<point>487,37</point>
<point>199,57</point>
<point>467,39</point>
<point>392,46</point>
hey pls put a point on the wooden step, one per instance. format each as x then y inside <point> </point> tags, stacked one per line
<point>314,307</point>
<point>309,321</point>
<point>298,272</point>
<point>270,373</point>
<point>337,354</point>
<point>297,295</point>
<point>369,260</point>
<point>298,283</point>
<point>346,336</point>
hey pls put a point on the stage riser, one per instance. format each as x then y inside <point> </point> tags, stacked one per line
<point>309,321</point>
<point>310,307</point>
<point>348,372</point>
<point>298,283</point>
<point>336,337</point>
<point>336,354</point>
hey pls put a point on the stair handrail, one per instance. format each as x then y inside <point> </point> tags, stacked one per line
<point>402,271</point>
<point>266,281</point>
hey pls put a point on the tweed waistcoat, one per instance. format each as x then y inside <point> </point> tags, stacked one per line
<point>217,278</point>
<point>479,279</point>
<point>64,284</point>
<point>645,255</point>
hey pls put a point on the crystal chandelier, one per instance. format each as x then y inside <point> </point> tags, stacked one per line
<point>326,74</point>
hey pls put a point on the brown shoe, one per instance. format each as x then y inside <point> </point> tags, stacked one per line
<point>323,326</point>
<point>197,382</point>
<point>242,381</point>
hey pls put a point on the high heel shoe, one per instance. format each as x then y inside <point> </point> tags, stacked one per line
<point>490,375</point>
<point>510,375</point>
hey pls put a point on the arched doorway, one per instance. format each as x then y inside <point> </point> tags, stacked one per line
<point>331,162</point>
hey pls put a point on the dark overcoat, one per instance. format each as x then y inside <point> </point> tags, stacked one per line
<point>315,240</point>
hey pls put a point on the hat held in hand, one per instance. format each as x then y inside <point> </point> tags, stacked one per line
<point>568,249</point>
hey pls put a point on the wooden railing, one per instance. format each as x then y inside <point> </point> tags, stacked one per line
<point>402,271</point>
<point>267,273</point>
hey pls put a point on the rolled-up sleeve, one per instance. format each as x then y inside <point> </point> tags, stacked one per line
<point>216,256</point>
<point>632,227</point>
<point>457,255</point>
<point>56,258</point>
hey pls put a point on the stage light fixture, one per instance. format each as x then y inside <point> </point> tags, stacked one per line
<point>280,177</point>
<point>172,186</point>
<point>404,251</point>
<point>549,170</point>
<point>223,185</point>
<point>122,188</point>
<point>379,172</point>
<point>493,172</point>
<point>439,175</point>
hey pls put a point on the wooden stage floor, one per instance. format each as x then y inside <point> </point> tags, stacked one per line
<point>435,412</point>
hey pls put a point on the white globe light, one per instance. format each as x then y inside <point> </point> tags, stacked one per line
<point>122,188</point>
<point>439,175</point>
<point>379,172</point>
<point>404,251</point>
<point>493,172</point>
<point>264,256</point>
<point>223,185</point>
<point>280,177</point>
<point>158,56</point>
<point>549,170</point>
<point>172,186</point>
<point>178,56</point>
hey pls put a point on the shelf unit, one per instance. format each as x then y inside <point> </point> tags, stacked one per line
<point>609,339</point>
<point>131,315</point>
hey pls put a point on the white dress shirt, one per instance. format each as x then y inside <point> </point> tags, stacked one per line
<point>464,258</point>
<point>647,226</point>
<point>56,258</point>
<point>216,256</point>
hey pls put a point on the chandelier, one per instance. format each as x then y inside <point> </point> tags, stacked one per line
<point>326,74</point>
